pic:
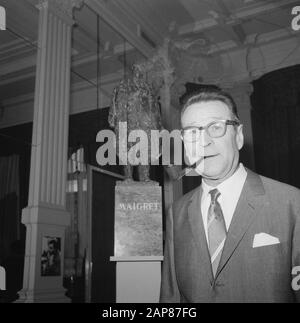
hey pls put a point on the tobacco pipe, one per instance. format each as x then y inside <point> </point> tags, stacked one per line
<point>174,174</point>
<point>187,170</point>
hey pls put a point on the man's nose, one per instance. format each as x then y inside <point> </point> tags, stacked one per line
<point>205,139</point>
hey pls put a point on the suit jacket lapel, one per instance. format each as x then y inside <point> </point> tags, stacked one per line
<point>248,205</point>
<point>198,232</point>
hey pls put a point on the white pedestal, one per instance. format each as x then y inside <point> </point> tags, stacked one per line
<point>2,279</point>
<point>138,279</point>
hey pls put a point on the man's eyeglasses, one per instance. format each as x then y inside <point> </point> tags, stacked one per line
<point>214,129</point>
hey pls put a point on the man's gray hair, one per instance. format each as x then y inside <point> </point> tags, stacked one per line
<point>212,94</point>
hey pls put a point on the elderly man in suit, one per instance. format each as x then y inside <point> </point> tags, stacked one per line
<point>235,238</point>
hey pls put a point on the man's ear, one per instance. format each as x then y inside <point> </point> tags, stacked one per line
<point>239,137</point>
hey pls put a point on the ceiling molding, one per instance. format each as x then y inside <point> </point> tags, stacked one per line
<point>17,65</point>
<point>235,18</point>
<point>115,77</point>
<point>260,9</point>
<point>252,41</point>
<point>111,15</point>
<point>108,80</point>
<point>236,31</point>
<point>21,99</point>
<point>192,7</point>
<point>16,44</point>
<point>16,78</point>
<point>147,26</point>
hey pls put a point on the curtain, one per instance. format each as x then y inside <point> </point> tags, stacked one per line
<point>9,204</point>
<point>275,120</point>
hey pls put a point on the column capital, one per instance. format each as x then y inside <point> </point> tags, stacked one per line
<point>61,8</point>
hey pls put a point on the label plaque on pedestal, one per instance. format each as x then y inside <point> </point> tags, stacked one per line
<point>138,219</point>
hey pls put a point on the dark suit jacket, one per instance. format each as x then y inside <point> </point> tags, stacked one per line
<point>245,274</point>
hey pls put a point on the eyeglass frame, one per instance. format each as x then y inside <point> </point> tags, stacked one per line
<point>225,121</point>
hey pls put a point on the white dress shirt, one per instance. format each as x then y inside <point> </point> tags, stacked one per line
<point>230,191</point>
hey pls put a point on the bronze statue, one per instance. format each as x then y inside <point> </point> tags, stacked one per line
<point>134,102</point>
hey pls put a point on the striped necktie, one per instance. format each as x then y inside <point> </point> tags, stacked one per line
<point>216,229</point>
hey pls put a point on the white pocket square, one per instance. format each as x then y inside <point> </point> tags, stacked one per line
<point>264,239</point>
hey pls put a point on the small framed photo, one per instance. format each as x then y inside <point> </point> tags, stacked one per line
<point>51,256</point>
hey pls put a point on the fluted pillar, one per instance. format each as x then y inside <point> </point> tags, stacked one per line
<point>45,216</point>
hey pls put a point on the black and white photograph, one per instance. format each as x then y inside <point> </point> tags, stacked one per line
<point>51,259</point>
<point>149,154</point>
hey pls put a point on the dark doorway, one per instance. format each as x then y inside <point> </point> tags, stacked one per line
<point>103,274</point>
<point>275,121</point>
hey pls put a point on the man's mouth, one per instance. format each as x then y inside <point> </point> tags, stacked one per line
<point>197,163</point>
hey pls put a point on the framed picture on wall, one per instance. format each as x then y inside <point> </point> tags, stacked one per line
<point>51,256</point>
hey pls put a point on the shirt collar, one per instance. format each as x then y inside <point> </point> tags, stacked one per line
<point>237,177</point>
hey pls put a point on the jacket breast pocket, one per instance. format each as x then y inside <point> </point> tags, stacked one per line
<point>272,258</point>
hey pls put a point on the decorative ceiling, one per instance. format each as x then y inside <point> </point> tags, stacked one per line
<point>130,30</point>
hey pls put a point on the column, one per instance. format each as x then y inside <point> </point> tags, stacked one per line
<point>241,94</point>
<point>45,216</point>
